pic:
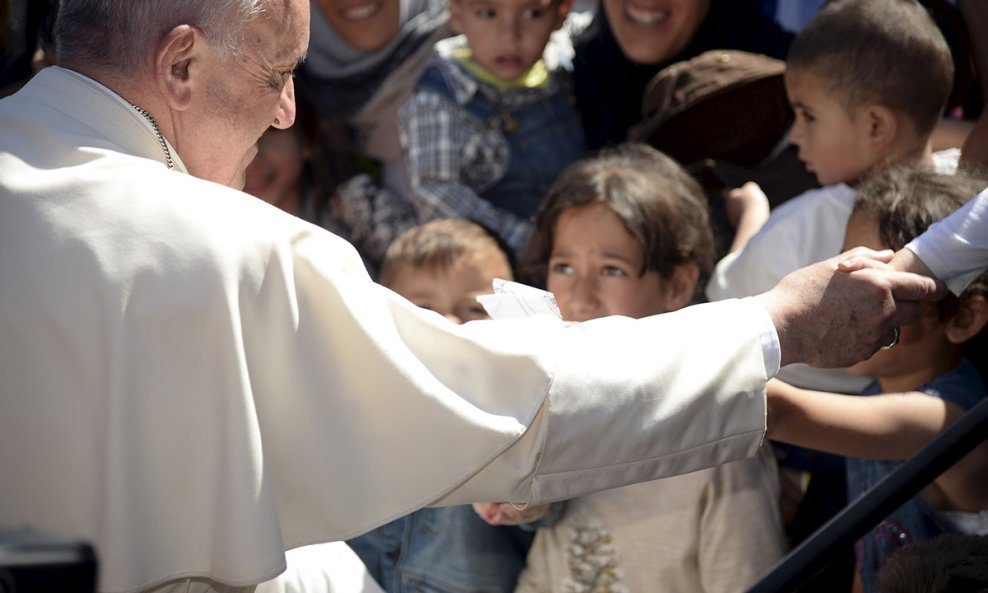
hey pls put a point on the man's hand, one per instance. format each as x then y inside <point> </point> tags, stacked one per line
<point>831,318</point>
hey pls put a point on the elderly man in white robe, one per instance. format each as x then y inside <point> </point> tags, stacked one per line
<point>196,382</point>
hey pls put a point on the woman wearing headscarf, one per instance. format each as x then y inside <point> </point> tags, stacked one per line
<point>363,61</point>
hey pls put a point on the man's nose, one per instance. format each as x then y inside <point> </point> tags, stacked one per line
<point>285,116</point>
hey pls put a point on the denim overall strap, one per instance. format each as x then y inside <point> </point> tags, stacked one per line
<point>483,110</point>
<point>544,137</point>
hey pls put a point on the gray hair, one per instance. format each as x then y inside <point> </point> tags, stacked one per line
<point>122,34</point>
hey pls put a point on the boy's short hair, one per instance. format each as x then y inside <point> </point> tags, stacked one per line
<point>658,202</point>
<point>944,564</point>
<point>888,52</point>
<point>905,200</point>
<point>438,245</point>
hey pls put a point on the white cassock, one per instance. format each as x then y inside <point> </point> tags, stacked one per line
<point>195,381</point>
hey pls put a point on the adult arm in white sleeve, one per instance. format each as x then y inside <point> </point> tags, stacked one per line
<point>954,249</point>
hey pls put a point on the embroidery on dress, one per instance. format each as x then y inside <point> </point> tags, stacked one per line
<point>593,566</point>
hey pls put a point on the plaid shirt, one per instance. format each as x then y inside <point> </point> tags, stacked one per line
<point>453,157</point>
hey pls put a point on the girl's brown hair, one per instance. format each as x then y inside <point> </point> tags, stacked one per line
<point>658,202</point>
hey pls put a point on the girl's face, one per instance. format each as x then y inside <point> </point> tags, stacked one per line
<point>365,25</point>
<point>654,31</point>
<point>275,173</point>
<point>594,265</point>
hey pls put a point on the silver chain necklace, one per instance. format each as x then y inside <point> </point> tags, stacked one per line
<point>157,134</point>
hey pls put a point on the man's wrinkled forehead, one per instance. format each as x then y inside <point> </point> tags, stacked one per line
<point>289,19</point>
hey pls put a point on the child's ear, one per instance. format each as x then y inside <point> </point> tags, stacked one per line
<point>455,16</point>
<point>681,286</point>
<point>971,317</point>
<point>882,127</point>
<point>174,64</point>
<point>562,10</point>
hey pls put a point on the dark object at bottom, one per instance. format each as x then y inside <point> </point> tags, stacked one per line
<point>35,562</point>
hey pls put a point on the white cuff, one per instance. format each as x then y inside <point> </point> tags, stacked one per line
<point>771,348</point>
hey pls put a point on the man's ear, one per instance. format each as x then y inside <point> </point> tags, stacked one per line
<point>681,286</point>
<point>174,60</point>
<point>971,317</point>
<point>883,125</point>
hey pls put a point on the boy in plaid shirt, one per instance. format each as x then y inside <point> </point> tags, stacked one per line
<point>491,122</point>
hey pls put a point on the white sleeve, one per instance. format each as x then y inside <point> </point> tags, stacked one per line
<point>679,392</point>
<point>956,248</point>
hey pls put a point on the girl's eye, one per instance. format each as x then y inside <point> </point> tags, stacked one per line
<point>473,312</point>
<point>807,116</point>
<point>613,271</point>
<point>486,13</point>
<point>533,13</point>
<point>561,268</point>
<point>423,305</point>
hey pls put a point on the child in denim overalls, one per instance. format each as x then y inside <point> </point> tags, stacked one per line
<point>491,122</point>
<point>443,265</point>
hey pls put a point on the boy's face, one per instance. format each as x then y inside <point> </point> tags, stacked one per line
<point>654,31</point>
<point>594,265</point>
<point>365,25</point>
<point>452,292</point>
<point>833,143</point>
<point>907,365</point>
<point>507,37</point>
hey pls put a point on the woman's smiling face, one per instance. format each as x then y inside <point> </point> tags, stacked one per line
<point>365,25</point>
<point>654,31</point>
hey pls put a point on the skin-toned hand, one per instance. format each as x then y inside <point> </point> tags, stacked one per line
<point>747,209</point>
<point>502,513</point>
<point>903,260</point>
<point>831,318</point>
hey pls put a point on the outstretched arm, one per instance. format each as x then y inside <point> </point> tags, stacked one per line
<point>889,426</point>
<point>829,318</point>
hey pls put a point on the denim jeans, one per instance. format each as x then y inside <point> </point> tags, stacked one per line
<point>444,550</point>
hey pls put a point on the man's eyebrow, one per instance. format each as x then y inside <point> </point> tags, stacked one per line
<point>292,64</point>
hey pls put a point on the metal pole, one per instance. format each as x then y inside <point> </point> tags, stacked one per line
<point>858,517</point>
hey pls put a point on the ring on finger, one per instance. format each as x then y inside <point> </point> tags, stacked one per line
<point>895,339</point>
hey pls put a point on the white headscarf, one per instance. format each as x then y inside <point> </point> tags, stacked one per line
<point>358,74</point>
